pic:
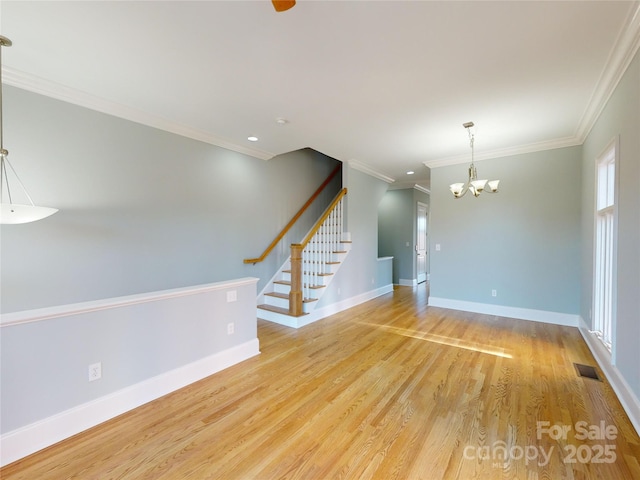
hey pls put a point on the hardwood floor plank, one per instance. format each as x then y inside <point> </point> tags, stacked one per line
<point>390,389</point>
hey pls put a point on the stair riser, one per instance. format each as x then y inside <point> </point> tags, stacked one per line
<point>284,303</point>
<point>313,292</point>
<point>276,302</point>
<point>277,318</point>
<point>319,279</point>
<point>279,288</point>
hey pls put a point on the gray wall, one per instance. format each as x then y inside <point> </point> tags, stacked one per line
<point>140,209</point>
<point>44,368</point>
<point>396,227</point>
<point>523,242</point>
<point>621,117</point>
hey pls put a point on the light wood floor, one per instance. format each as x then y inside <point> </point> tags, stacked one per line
<point>389,389</point>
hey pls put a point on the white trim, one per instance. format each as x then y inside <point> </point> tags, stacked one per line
<point>50,89</point>
<point>338,307</point>
<point>357,165</point>
<point>625,394</point>
<point>621,55</point>
<point>28,316</point>
<point>323,312</point>
<point>612,146</point>
<point>36,436</point>
<point>565,319</point>
<point>506,152</point>
<point>407,282</point>
<point>422,189</point>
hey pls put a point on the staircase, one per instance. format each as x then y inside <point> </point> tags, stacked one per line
<point>294,291</point>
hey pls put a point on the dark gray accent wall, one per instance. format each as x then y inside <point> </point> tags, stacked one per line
<point>141,209</point>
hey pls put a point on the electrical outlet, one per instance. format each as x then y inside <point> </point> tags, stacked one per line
<point>95,371</point>
<point>232,296</point>
<point>437,247</point>
<point>230,328</point>
<point>494,293</point>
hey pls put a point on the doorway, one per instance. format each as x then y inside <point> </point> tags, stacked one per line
<point>421,243</point>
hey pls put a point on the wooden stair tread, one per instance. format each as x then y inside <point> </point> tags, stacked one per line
<point>283,311</point>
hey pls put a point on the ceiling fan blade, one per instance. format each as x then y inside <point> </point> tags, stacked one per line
<point>282,5</point>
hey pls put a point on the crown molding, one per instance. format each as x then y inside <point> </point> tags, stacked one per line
<point>357,165</point>
<point>505,152</point>
<point>623,52</point>
<point>621,55</point>
<point>25,81</point>
<point>409,185</point>
<point>422,189</point>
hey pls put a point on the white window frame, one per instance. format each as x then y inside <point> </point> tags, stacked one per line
<point>605,246</point>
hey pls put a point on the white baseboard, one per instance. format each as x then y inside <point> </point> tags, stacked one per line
<point>320,313</point>
<point>31,438</point>
<point>628,399</point>
<point>337,307</point>
<point>625,394</point>
<point>407,282</point>
<point>565,319</point>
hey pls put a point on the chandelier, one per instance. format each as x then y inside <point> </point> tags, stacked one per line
<point>12,212</point>
<point>473,185</point>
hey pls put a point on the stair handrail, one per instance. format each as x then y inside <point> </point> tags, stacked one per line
<point>295,218</point>
<point>324,216</point>
<point>296,296</point>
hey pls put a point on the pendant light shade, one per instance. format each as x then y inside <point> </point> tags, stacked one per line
<point>12,213</point>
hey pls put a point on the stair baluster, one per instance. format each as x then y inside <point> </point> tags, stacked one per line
<point>317,249</point>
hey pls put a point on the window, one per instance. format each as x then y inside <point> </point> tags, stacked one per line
<point>604,265</point>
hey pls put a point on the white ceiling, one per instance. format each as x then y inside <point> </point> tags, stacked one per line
<point>383,84</point>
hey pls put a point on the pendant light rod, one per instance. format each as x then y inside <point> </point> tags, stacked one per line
<point>4,42</point>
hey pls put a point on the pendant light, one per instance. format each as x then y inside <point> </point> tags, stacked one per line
<point>11,213</point>
<point>473,185</point>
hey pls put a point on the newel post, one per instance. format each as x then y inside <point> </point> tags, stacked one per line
<point>295,296</point>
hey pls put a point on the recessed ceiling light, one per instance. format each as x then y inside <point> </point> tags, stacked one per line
<point>410,172</point>
<point>252,139</point>
<point>281,121</point>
